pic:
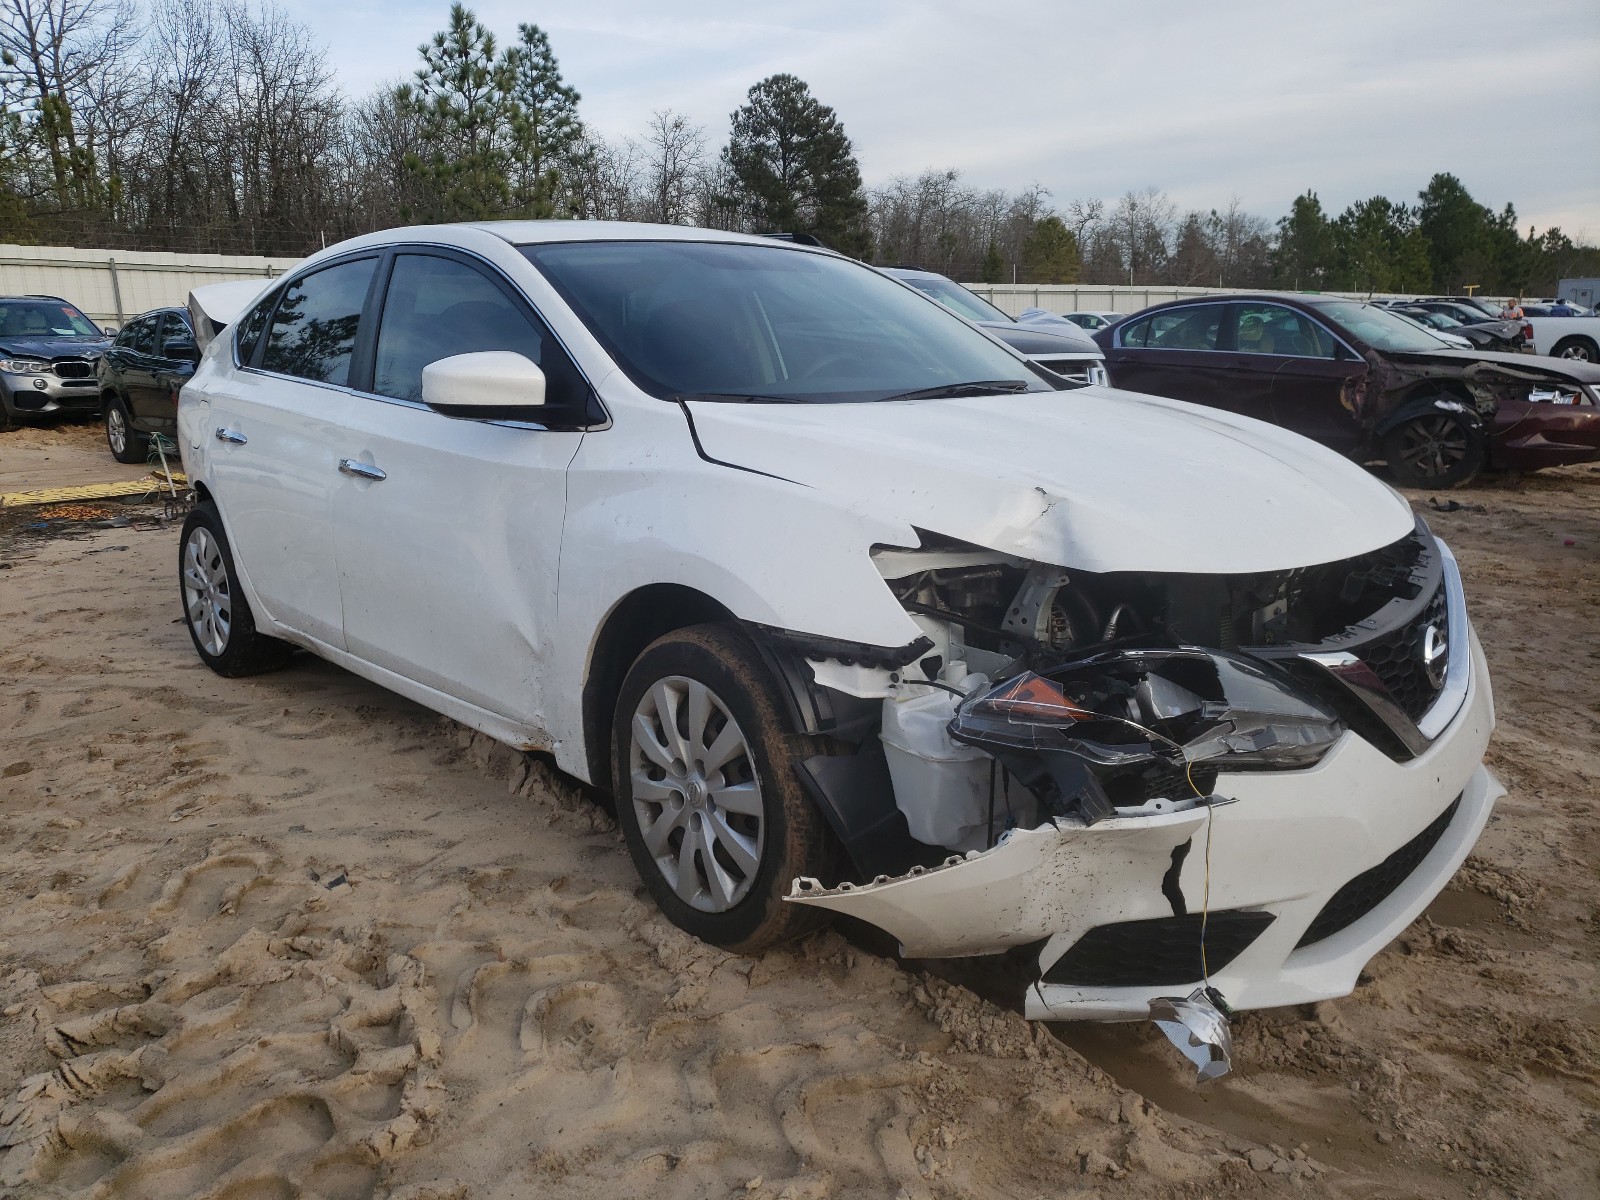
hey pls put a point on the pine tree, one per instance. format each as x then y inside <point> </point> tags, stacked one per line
<point>545,132</point>
<point>460,97</point>
<point>793,168</point>
<point>994,267</point>
<point>1306,254</point>
<point>1050,255</point>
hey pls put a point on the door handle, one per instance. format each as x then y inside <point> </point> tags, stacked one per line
<point>361,470</point>
<point>229,435</point>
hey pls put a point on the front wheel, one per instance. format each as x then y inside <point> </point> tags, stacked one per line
<point>708,796</point>
<point>1435,450</point>
<point>1579,348</point>
<point>214,608</point>
<point>127,445</point>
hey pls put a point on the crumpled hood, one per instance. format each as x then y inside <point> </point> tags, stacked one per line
<point>1092,478</point>
<point>1524,366</point>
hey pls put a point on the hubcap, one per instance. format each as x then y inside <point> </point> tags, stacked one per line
<point>696,796</point>
<point>116,430</point>
<point>1433,445</point>
<point>1581,353</point>
<point>207,598</point>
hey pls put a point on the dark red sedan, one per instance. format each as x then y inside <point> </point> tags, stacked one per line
<point>1364,382</point>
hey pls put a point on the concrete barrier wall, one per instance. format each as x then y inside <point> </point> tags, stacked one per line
<point>111,286</point>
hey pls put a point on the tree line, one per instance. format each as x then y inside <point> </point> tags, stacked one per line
<point>218,125</point>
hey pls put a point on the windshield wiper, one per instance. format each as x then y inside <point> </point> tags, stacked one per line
<point>979,387</point>
<point>733,398</point>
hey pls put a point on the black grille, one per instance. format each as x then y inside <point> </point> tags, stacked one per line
<point>1371,888</point>
<point>1164,952</point>
<point>73,368</point>
<point>1396,658</point>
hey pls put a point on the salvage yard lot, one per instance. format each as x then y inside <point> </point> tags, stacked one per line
<point>293,935</point>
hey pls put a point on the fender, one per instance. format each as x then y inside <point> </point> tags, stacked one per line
<point>1438,402</point>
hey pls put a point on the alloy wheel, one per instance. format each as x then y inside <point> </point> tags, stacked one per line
<point>116,431</point>
<point>1433,446</point>
<point>207,597</point>
<point>695,794</point>
<point>1577,351</point>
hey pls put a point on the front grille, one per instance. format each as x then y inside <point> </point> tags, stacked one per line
<point>1372,887</point>
<point>1396,657</point>
<point>73,368</point>
<point>1164,952</point>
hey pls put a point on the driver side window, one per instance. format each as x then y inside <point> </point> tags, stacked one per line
<point>439,307</point>
<point>1279,330</point>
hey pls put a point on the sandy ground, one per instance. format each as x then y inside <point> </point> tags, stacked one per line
<point>295,936</point>
<point>61,455</point>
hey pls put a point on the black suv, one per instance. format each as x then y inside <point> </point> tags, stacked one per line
<point>48,352</point>
<point>140,375</point>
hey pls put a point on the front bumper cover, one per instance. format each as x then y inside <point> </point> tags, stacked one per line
<point>1285,845</point>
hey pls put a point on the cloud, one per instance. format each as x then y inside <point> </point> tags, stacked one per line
<point>1091,99</point>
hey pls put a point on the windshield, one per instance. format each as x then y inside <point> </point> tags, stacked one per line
<point>44,319</point>
<point>958,300</point>
<point>1381,329</point>
<point>707,320</point>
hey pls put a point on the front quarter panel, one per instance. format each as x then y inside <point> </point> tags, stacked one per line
<point>644,508</point>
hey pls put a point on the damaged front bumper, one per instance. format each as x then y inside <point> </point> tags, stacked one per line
<point>1301,876</point>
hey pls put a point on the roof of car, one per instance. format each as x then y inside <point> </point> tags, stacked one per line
<point>520,233</point>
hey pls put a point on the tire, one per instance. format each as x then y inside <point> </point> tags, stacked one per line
<point>670,796</point>
<point>1581,349</point>
<point>1435,449</point>
<point>214,608</point>
<point>127,444</point>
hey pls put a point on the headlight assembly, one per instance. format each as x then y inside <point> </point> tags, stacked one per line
<point>1121,729</point>
<point>23,366</point>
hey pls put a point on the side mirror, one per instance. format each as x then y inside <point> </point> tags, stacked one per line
<point>181,348</point>
<point>109,331</point>
<point>492,385</point>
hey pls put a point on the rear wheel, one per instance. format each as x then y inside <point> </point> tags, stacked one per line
<point>707,792</point>
<point>1581,348</point>
<point>1437,449</point>
<point>127,444</point>
<point>214,608</point>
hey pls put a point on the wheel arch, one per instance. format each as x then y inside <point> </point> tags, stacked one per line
<point>639,618</point>
<point>1575,339</point>
<point>1426,396</point>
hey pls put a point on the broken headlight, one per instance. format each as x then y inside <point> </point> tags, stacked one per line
<point>1121,729</point>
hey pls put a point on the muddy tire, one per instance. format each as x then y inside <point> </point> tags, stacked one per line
<point>1437,449</point>
<point>127,445</point>
<point>215,611</point>
<point>703,770</point>
<point>1580,349</point>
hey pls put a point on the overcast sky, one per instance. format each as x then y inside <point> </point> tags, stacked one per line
<point>1261,100</point>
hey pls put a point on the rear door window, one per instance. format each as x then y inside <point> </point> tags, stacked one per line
<point>1193,328</point>
<point>142,336</point>
<point>313,330</point>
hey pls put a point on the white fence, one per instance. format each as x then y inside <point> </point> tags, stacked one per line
<point>112,285</point>
<point>1088,297</point>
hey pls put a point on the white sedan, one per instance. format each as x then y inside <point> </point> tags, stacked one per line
<point>851,608</point>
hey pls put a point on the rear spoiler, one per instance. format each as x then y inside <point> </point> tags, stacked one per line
<point>215,306</point>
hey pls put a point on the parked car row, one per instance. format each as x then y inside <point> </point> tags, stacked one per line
<point>1363,381</point>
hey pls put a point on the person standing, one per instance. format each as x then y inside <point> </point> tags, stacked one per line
<point>1562,309</point>
<point>1512,311</point>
